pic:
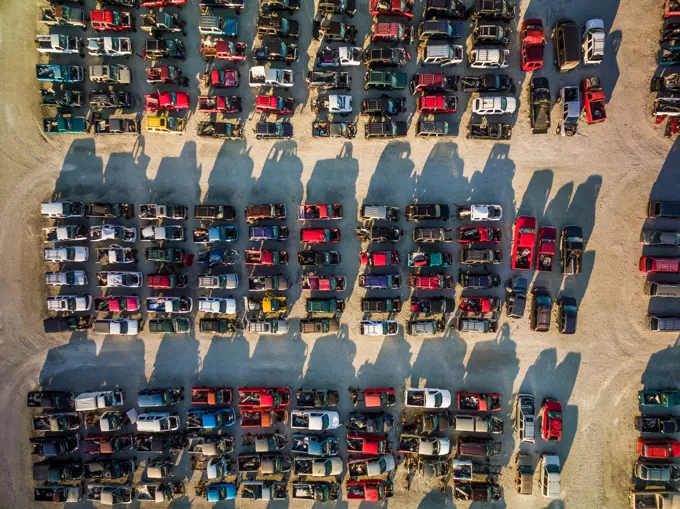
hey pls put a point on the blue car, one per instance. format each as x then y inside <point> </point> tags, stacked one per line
<point>219,491</point>
<point>268,233</point>
<point>210,419</point>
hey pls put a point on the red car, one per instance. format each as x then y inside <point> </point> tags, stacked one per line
<point>363,443</point>
<point>651,264</point>
<point>479,401</point>
<point>210,395</point>
<point>523,244</point>
<point>274,104</point>
<point>165,281</point>
<point>224,78</point>
<point>658,448</point>
<point>547,248</point>
<point>551,420</point>
<point>379,258</point>
<point>223,50</point>
<point>116,304</point>
<point>374,398</point>
<point>391,8</point>
<point>435,282</point>
<point>485,234</point>
<point>219,104</point>
<point>111,21</point>
<point>593,100</point>
<point>163,3</point>
<point>169,101</point>
<point>264,397</point>
<point>479,304</point>
<point>323,283</point>
<point>320,235</point>
<point>532,45</point>
<point>436,104</point>
<point>371,491</point>
<point>314,211</point>
<point>166,74</point>
<point>432,82</point>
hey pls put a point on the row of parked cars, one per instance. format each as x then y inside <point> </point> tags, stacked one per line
<point>664,285</point>
<point>655,475</point>
<point>666,80</point>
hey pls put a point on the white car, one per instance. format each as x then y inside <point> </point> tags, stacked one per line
<point>88,401</point>
<point>494,105</point>
<point>109,46</point>
<point>66,254</point>
<point>424,446</point>
<point>317,467</point>
<point>261,76</point>
<point>215,281</point>
<point>349,56</point>
<point>115,254</point>
<point>120,279</point>
<point>273,327</point>
<point>570,97</point>
<point>372,467</point>
<point>66,278</point>
<point>119,327</point>
<point>65,233</point>
<point>379,327</point>
<point>158,422</point>
<point>62,209</point>
<point>549,471</point>
<point>340,104</point>
<point>56,43</point>
<point>316,420</point>
<point>525,418</point>
<point>427,398</point>
<point>69,303</point>
<point>169,304</point>
<point>217,305</point>
<point>593,42</point>
<point>112,232</point>
<point>483,212</point>
<point>169,233</point>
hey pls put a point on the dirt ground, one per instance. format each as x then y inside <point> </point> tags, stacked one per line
<point>600,180</point>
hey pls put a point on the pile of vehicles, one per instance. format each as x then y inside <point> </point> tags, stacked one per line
<point>654,473</point>
<point>662,267</point>
<point>666,81</point>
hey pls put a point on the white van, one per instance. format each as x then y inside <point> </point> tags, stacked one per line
<point>489,58</point>
<point>549,480</point>
<point>157,422</point>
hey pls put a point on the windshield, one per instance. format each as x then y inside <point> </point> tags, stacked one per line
<point>329,467</point>
<point>383,465</point>
<point>325,421</point>
<point>438,400</point>
<point>555,414</point>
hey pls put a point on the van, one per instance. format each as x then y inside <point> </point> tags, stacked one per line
<point>489,58</point>
<point>662,289</point>
<point>567,38</point>
<point>663,323</point>
<point>157,422</point>
<point>442,54</point>
<point>549,480</point>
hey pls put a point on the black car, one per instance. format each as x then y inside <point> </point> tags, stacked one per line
<point>318,258</point>
<point>488,83</point>
<point>275,51</point>
<point>494,9</point>
<point>427,211</point>
<point>571,249</point>
<point>663,209</point>
<point>348,7</point>
<point>51,400</point>
<point>446,9</point>
<point>539,105</point>
<point>273,130</point>
<point>384,128</point>
<point>567,312</point>
<point>385,57</point>
<point>277,26</point>
<point>53,447</point>
<point>541,310</point>
<point>481,281</point>
<point>58,471</point>
<point>383,105</point>
<point>377,305</point>
<point>516,296</point>
<point>429,128</point>
<point>485,130</point>
<point>280,5</point>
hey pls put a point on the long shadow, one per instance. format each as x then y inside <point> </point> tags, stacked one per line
<point>82,173</point>
<point>545,378</point>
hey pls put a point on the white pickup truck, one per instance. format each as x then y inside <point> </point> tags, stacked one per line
<point>66,278</point>
<point>56,43</point>
<point>260,76</point>
<point>109,46</point>
<point>314,419</point>
<point>89,401</point>
<point>69,303</point>
<point>427,398</point>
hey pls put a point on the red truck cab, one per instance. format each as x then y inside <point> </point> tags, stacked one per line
<point>652,264</point>
<point>523,244</point>
<point>532,45</point>
<point>551,420</point>
<point>593,100</point>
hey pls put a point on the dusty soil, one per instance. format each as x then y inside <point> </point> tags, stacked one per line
<point>600,180</point>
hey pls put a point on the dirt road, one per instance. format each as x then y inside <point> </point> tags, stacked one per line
<point>600,180</point>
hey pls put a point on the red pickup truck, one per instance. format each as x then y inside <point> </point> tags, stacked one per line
<point>547,243</point>
<point>533,42</point>
<point>523,244</point>
<point>651,264</point>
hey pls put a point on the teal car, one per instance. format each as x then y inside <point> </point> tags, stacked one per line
<point>385,80</point>
<point>64,125</point>
<point>660,398</point>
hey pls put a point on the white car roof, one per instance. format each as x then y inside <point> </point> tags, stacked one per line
<point>51,208</point>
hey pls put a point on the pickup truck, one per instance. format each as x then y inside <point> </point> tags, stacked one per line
<point>316,491</point>
<point>55,472</point>
<point>427,398</point>
<point>372,466</point>
<point>69,303</point>
<point>56,73</point>
<point>317,467</point>
<point>215,234</point>
<point>659,472</point>
<point>571,247</point>
<point>570,97</point>
<point>547,246</point>
<point>314,419</point>
<point>89,401</point>
<point>64,125</point>
<point>316,398</point>
<point>329,80</point>
<point>667,424</point>
<point>264,490</point>
<point>539,105</point>
<point>154,211</point>
<point>423,446</point>
<point>343,56</point>
<point>51,400</point>
<point>485,130</point>
<point>481,256</point>
<point>213,419</point>
<point>476,423</point>
<point>479,402</point>
<point>315,445</point>
<point>659,398</point>
<point>260,76</point>
<point>163,491</point>
<point>264,464</point>
<point>215,212</point>
<point>654,499</point>
<point>109,46</point>
<point>263,417</point>
<point>523,243</point>
<point>263,397</point>
<point>210,395</point>
<point>57,43</point>
<point>652,264</point>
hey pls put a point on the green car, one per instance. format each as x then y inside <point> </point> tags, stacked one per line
<point>325,306</point>
<point>165,255</point>
<point>661,398</point>
<point>64,125</point>
<point>170,325</point>
<point>385,80</point>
